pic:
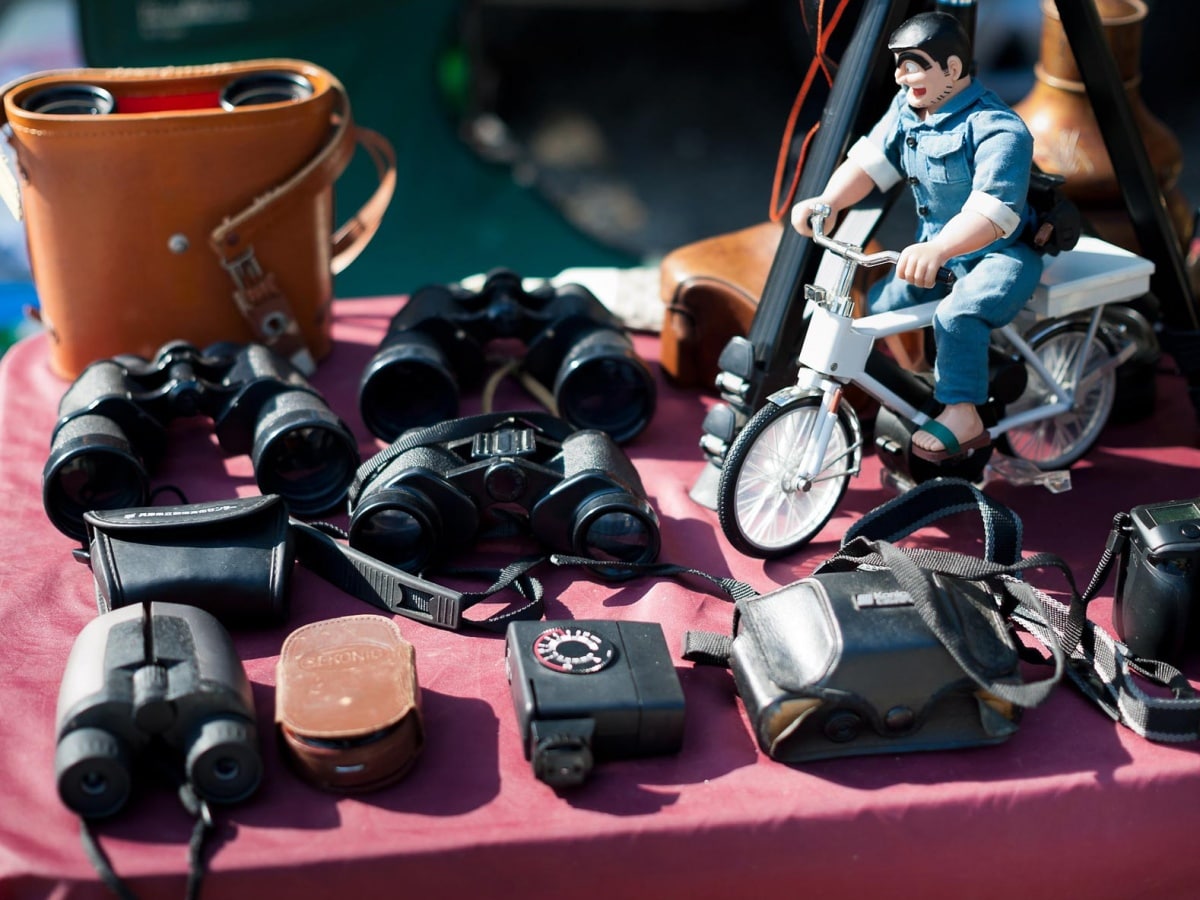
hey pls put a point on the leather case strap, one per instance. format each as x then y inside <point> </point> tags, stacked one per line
<point>256,291</point>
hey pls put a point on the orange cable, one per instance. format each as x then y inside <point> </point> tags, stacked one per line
<point>778,209</point>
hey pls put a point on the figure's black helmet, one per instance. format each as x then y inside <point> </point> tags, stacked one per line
<point>938,34</point>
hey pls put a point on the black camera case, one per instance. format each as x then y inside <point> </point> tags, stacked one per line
<point>233,558</point>
<point>577,352</point>
<point>159,683</point>
<point>1158,580</point>
<point>844,665</point>
<point>591,690</point>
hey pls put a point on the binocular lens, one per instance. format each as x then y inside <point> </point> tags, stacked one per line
<point>71,100</point>
<point>399,531</point>
<point>602,384</point>
<point>265,87</point>
<point>612,528</point>
<point>223,762</point>
<point>407,388</point>
<point>617,536</point>
<point>93,478</point>
<point>305,456</point>
<point>93,772</point>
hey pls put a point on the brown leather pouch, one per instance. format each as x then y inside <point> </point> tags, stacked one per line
<point>347,703</point>
<point>173,217</point>
<point>711,290</point>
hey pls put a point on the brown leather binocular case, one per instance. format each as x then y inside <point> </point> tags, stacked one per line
<point>347,703</point>
<point>186,203</point>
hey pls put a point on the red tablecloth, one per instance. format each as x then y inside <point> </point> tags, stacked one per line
<point>1072,805</point>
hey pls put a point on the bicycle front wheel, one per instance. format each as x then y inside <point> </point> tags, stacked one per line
<point>762,512</point>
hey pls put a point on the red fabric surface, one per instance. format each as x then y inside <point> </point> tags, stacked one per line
<point>1072,805</point>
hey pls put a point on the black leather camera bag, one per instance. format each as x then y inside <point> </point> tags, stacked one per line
<point>965,605</point>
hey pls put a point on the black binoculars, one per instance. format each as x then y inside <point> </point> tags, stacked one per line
<point>113,421</point>
<point>160,680</point>
<point>575,350</point>
<point>431,492</point>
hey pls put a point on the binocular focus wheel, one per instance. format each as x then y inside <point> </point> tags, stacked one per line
<point>93,772</point>
<point>223,763</point>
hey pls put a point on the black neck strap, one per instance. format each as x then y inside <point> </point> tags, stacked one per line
<point>402,593</point>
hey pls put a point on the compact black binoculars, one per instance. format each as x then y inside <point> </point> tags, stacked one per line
<point>435,489</point>
<point>575,349</point>
<point>113,420</point>
<point>160,681</point>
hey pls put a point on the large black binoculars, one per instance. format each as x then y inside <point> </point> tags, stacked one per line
<point>160,680</point>
<point>576,351</point>
<point>113,420</point>
<point>429,494</point>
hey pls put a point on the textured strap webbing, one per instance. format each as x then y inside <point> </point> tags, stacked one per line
<point>401,593</point>
<point>1101,667</point>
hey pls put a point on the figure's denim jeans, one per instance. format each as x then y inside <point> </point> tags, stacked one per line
<point>989,292</point>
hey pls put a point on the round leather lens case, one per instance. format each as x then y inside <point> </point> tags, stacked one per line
<point>347,703</point>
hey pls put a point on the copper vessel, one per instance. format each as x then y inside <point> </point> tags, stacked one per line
<point>1067,137</point>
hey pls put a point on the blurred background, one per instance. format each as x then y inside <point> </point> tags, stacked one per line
<point>541,135</point>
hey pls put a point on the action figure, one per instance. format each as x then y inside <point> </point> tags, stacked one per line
<point>967,158</point>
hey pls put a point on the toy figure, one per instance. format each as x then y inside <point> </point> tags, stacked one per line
<point>967,158</point>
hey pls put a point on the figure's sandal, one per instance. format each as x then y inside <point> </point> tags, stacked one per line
<point>951,447</point>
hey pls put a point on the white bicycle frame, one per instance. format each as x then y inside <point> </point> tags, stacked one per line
<point>836,345</point>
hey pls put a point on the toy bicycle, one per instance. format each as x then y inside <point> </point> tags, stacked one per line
<point>1051,384</point>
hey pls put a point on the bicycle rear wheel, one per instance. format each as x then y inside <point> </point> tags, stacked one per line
<point>760,512</point>
<point>1058,442</point>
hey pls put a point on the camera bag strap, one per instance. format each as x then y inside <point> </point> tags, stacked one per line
<point>1101,667</point>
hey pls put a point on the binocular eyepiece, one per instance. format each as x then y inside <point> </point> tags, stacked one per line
<point>435,489</point>
<point>113,419</point>
<point>161,679</point>
<point>252,89</point>
<point>575,349</point>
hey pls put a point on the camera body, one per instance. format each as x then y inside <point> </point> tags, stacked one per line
<point>590,690</point>
<point>575,349</point>
<point>1158,580</point>
<point>113,420</point>
<point>427,495</point>
<point>161,680</point>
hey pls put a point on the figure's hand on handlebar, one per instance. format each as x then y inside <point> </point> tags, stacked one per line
<point>802,213</point>
<point>923,265</point>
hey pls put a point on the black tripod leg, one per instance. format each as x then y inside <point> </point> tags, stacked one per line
<point>1142,195</point>
<point>755,366</point>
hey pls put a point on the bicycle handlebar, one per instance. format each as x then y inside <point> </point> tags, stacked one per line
<point>852,252</point>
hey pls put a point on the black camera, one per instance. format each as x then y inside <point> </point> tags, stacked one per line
<point>592,690</point>
<point>113,420</point>
<point>433,490</point>
<point>1158,578</point>
<point>575,349</point>
<point>160,680</point>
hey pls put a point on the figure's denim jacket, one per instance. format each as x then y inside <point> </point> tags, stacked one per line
<point>973,153</point>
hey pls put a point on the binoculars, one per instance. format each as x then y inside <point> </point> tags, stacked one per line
<point>160,679</point>
<point>435,489</point>
<point>248,90</point>
<point>575,350</point>
<point>113,419</point>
